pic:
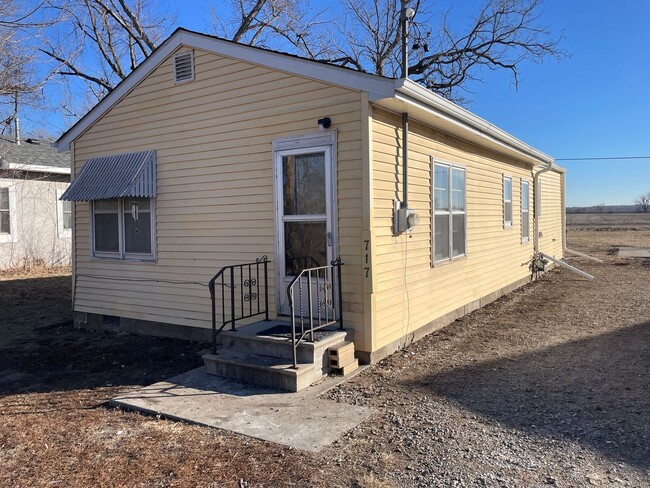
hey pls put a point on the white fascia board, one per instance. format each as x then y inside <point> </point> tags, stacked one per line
<point>376,86</point>
<point>411,92</point>
<point>37,168</point>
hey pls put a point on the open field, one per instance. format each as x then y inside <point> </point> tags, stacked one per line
<point>547,386</point>
<point>600,222</point>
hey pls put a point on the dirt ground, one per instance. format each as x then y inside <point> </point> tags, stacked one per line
<point>547,386</point>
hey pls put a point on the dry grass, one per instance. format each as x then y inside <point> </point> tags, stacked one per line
<point>38,271</point>
<point>55,428</point>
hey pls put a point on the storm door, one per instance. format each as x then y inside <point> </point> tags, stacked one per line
<point>304,213</point>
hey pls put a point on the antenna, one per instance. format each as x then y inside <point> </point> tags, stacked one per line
<point>406,15</point>
<point>16,121</point>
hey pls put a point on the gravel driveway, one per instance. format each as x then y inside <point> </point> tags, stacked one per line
<point>547,386</point>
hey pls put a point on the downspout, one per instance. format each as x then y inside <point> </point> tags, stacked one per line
<point>406,14</point>
<point>405,160</point>
<point>536,199</point>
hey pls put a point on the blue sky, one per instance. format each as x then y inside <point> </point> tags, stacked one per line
<point>595,103</point>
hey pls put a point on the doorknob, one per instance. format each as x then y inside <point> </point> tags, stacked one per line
<point>329,239</point>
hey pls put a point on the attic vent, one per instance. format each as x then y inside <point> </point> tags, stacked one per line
<point>183,67</point>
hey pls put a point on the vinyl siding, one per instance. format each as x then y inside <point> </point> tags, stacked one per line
<point>409,292</point>
<point>215,203</point>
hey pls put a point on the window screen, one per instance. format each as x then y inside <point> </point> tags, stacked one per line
<point>5,217</point>
<point>449,224</point>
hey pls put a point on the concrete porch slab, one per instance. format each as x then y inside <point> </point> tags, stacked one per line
<point>633,252</point>
<point>301,420</point>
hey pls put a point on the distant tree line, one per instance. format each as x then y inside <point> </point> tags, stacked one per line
<point>641,205</point>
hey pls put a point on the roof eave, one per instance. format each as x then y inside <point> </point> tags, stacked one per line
<point>465,122</point>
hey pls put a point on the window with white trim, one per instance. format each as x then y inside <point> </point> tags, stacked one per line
<point>5,212</point>
<point>449,217</point>
<point>525,211</point>
<point>123,228</point>
<point>507,201</point>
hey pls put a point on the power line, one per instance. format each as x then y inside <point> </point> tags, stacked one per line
<point>602,159</point>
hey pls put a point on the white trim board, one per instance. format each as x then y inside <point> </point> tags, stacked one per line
<point>38,168</point>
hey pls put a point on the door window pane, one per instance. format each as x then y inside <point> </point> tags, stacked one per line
<point>441,237</point>
<point>304,184</point>
<point>305,246</point>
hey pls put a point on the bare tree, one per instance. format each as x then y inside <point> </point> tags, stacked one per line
<point>643,202</point>
<point>20,23</point>
<point>99,42</point>
<point>503,34</point>
<point>102,41</point>
<point>275,24</point>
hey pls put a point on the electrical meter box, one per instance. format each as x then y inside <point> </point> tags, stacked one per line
<point>404,218</point>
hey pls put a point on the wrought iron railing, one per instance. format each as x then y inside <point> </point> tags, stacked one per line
<point>246,288</point>
<point>315,302</point>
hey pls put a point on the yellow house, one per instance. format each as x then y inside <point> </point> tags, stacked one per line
<point>213,154</point>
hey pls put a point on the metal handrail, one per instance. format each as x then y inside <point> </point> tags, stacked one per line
<point>327,285</point>
<point>249,293</point>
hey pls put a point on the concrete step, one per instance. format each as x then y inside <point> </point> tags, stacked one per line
<point>261,370</point>
<point>249,339</point>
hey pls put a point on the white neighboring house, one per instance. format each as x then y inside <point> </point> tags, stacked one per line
<point>35,226</point>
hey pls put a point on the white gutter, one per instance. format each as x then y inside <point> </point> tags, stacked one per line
<point>466,118</point>
<point>37,168</point>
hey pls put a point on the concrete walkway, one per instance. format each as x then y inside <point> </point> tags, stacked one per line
<point>301,420</point>
<point>633,252</point>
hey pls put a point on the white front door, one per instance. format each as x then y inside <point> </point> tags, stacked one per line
<point>304,208</point>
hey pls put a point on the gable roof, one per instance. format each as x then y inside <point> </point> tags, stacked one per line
<point>33,155</point>
<point>402,95</point>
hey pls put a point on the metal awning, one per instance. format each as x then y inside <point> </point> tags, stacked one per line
<point>122,175</point>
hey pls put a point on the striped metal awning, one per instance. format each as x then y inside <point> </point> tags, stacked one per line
<point>122,175</point>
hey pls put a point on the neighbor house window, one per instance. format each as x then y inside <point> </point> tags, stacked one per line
<point>64,215</point>
<point>525,212</point>
<point>448,212</point>
<point>507,201</point>
<point>123,228</point>
<point>67,215</point>
<point>5,212</point>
